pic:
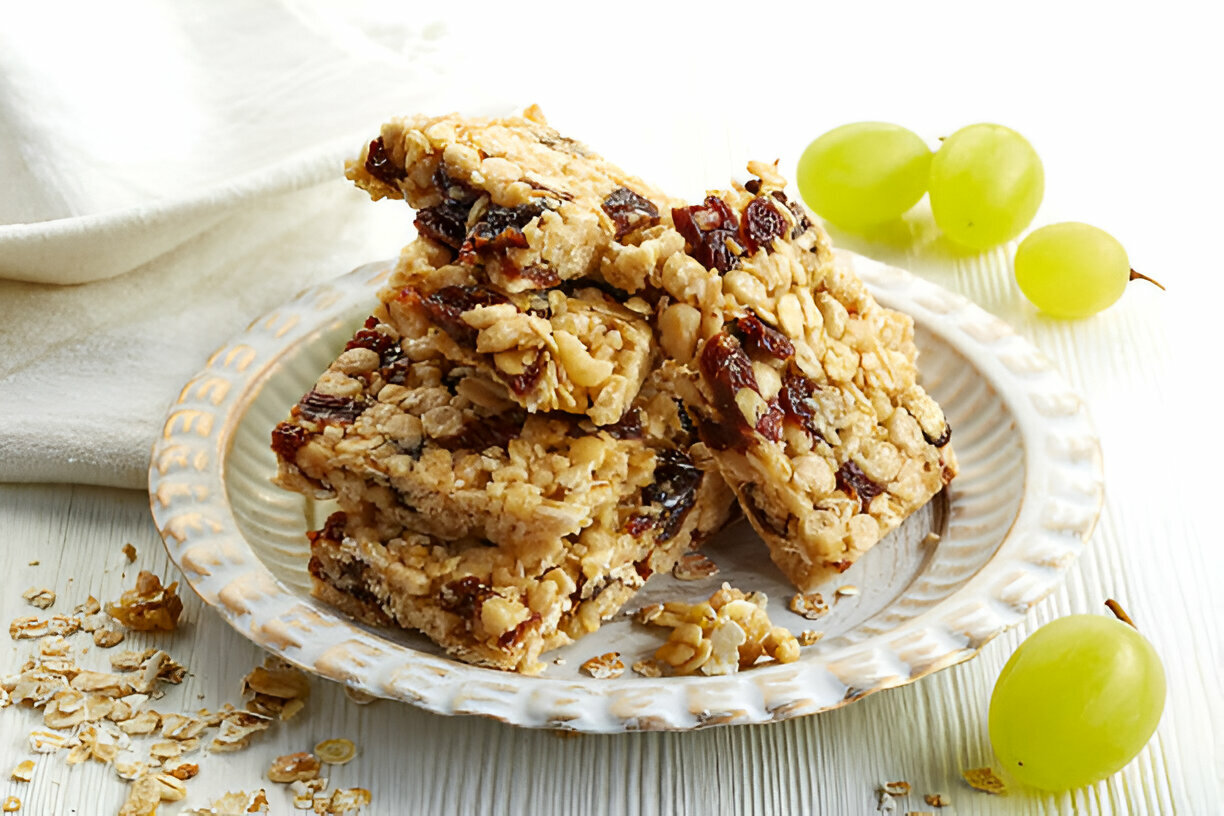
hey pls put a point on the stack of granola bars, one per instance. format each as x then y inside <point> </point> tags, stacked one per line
<point>570,378</point>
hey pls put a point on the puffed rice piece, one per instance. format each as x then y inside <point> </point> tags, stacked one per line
<point>24,771</point>
<point>694,567</point>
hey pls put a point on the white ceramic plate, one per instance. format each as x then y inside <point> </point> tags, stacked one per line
<point>1027,497</point>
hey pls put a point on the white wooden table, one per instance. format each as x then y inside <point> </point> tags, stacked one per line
<point>1119,109</point>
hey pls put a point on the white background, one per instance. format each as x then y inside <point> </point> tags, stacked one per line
<point>1122,103</point>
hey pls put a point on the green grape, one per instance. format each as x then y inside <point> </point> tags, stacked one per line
<point>986,185</point>
<point>863,174</point>
<point>1071,269</point>
<point>1076,702</point>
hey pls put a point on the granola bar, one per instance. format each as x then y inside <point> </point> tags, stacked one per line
<point>500,607</point>
<point>529,206</point>
<point>574,349</point>
<point>803,386</point>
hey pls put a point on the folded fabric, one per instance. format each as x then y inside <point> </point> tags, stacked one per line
<point>144,121</point>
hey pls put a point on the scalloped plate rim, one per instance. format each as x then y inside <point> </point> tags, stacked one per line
<point>892,287</point>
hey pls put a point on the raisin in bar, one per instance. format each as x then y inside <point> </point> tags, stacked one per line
<point>489,605</point>
<point>575,349</point>
<point>511,196</point>
<point>802,385</point>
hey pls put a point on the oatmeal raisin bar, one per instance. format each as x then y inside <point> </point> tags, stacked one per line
<point>512,196</point>
<point>802,385</point>
<point>488,605</point>
<point>574,348</point>
<point>497,533</point>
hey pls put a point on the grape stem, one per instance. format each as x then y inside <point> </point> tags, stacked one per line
<point>1117,609</point>
<point>1140,276</point>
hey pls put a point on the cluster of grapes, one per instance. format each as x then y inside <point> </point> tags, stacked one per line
<point>986,183</point>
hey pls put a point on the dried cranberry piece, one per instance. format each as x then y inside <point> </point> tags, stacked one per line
<point>851,479</point>
<point>642,568</point>
<point>287,440</point>
<point>520,384</point>
<point>465,596</point>
<point>673,491</point>
<point>379,165</point>
<point>764,339</point>
<point>446,306</point>
<point>770,424</point>
<point>542,276</point>
<point>802,222</point>
<point>513,636</point>
<point>795,399</point>
<point>445,223</point>
<point>492,432</point>
<point>707,228</point>
<point>753,185</point>
<point>384,345</point>
<point>686,421</point>
<point>498,228</point>
<point>328,408</point>
<point>451,188</point>
<point>628,426</point>
<point>761,225</point>
<point>942,439</point>
<point>726,367</point>
<point>629,211</point>
<point>332,529</point>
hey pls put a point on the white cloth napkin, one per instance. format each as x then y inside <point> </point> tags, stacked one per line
<point>182,161</point>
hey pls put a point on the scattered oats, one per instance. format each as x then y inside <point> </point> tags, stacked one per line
<point>11,803</point>
<point>142,722</point>
<point>238,803</point>
<point>170,788</point>
<point>149,605</point>
<point>24,771</point>
<point>90,607</point>
<point>130,552</point>
<point>5,699</point>
<point>41,598</point>
<point>27,627</point>
<point>95,622</point>
<point>897,788</point>
<point>34,563</point>
<point>297,767</point>
<point>931,538</point>
<point>128,766</point>
<point>935,799</point>
<point>47,742</point>
<point>181,769</point>
<point>129,660</point>
<point>847,591</point>
<point>182,726</point>
<point>346,800</point>
<point>236,731</point>
<point>214,718</point>
<point>106,638</point>
<point>886,804</point>
<point>279,689</point>
<point>810,606</point>
<point>604,666</point>
<point>54,646</point>
<point>809,636</point>
<point>694,566</point>
<point>364,698</point>
<point>143,797</point>
<point>984,779</point>
<point>648,668</point>
<point>62,625</point>
<point>335,751</point>
<point>167,749</point>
